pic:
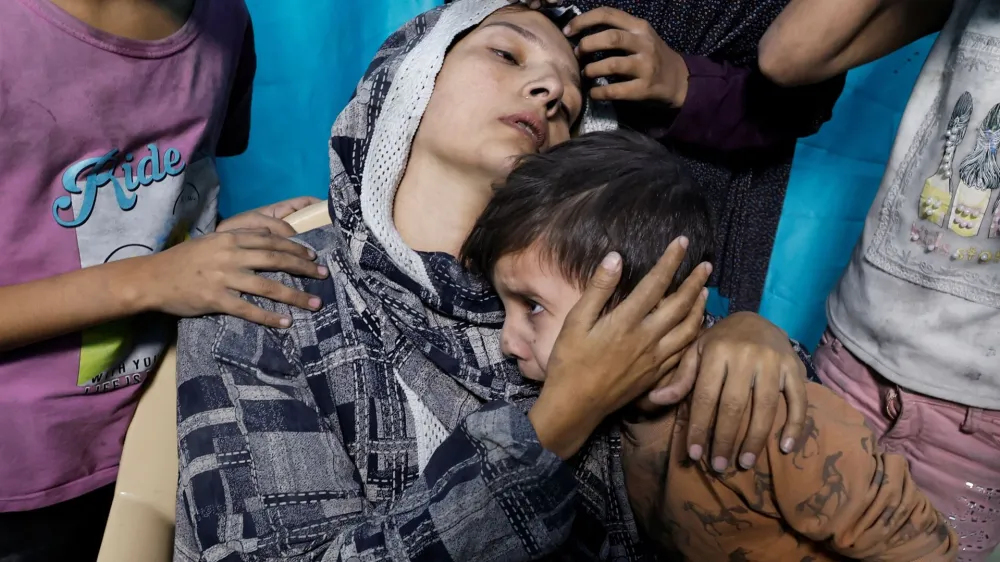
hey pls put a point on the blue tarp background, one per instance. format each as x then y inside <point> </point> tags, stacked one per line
<point>311,55</point>
<point>834,178</point>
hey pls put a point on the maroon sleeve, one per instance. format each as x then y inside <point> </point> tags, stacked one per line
<point>235,133</point>
<point>731,108</point>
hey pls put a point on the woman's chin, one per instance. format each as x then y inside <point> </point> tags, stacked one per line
<point>510,162</point>
<point>500,160</point>
<point>504,163</point>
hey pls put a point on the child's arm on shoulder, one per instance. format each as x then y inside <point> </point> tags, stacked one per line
<point>200,276</point>
<point>742,363</point>
<point>47,308</point>
<point>839,489</point>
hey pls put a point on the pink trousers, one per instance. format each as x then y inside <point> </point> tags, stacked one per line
<point>953,450</point>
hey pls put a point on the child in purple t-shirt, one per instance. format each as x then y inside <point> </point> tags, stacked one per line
<point>112,114</point>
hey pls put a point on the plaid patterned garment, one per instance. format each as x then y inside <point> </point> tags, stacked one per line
<point>318,442</point>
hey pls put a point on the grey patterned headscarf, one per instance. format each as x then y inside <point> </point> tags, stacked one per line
<point>427,300</point>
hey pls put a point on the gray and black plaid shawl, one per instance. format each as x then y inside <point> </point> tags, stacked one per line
<point>303,444</point>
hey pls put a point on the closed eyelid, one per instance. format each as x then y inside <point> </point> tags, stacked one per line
<point>537,41</point>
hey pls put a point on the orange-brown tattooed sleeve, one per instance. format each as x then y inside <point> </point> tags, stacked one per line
<point>835,496</point>
<point>838,488</point>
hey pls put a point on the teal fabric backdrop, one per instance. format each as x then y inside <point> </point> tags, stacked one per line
<point>834,178</point>
<point>310,56</point>
<point>312,53</point>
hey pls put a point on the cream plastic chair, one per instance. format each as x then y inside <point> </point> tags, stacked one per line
<point>141,525</point>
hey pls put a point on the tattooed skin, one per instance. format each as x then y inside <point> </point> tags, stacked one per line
<point>650,465</point>
<point>760,499</point>
<point>808,444</point>
<point>739,555</point>
<point>832,490</point>
<point>802,506</point>
<point>726,516</point>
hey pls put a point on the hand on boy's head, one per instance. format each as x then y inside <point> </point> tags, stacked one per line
<point>601,362</point>
<point>206,275</point>
<point>743,359</point>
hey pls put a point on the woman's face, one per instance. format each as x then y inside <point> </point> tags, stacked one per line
<point>509,88</point>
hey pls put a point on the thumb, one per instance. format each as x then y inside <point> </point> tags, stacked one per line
<point>599,289</point>
<point>252,220</point>
<point>683,381</point>
<point>282,209</point>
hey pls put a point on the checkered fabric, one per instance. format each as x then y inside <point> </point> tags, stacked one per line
<point>388,425</point>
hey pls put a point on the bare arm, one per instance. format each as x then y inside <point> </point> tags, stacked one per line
<point>200,276</point>
<point>47,308</point>
<point>814,40</point>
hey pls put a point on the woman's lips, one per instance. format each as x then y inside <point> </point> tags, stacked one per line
<point>530,125</point>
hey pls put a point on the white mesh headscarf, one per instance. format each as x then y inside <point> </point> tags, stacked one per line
<point>405,102</point>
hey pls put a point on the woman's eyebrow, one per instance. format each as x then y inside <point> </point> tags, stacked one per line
<point>523,32</point>
<point>531,37</point>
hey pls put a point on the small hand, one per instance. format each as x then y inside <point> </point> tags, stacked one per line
<point>742,356</point>
<point>206,275</point>
<point>269,217</point>
<point>602,362</point>
<point>654,71</point>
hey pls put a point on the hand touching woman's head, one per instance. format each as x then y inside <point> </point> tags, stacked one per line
<point>508,88</point>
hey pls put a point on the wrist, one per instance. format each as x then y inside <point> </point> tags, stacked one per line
<point>137,286</point>
<point>673,88</point>
<point>681,77</point>
<point>561,428</point>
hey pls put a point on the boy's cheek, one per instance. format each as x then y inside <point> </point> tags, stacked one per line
<point>531,372</point>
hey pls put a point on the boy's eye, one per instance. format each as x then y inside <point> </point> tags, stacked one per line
<point>505,55</point>
<point>534,308</point>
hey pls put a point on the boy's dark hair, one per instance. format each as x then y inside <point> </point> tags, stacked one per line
<point>601,192</point>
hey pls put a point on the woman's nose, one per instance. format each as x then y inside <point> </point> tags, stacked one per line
<point>548,91</point>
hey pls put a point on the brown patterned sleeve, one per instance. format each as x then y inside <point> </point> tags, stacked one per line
<point>839,489</point>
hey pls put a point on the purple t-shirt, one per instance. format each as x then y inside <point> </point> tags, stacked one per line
<point>107,147</point>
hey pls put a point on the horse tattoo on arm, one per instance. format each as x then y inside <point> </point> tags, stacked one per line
<point>711,521</point>
<point>832,489</point>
